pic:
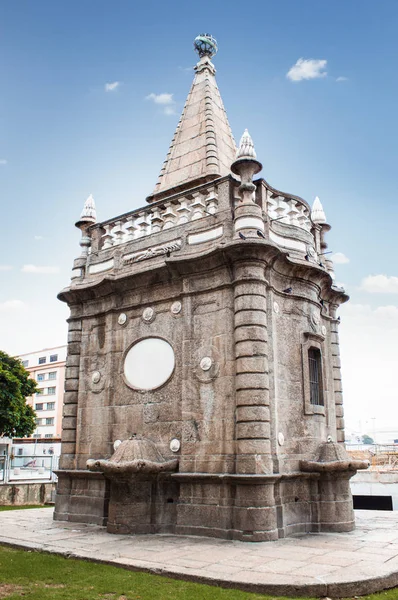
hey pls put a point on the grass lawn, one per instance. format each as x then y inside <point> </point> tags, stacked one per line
<point>16,507</point>
<point>40,576</point>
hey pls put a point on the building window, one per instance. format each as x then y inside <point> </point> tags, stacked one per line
<point>38,421</point>
<point>40,392</point>
<point>20,451</point>
<point>53,357</point>
<point>50,405</point>
<point>48,435</point>
<point>51,391</point>
<point>52,375</point>
<point>315,379</point>
<point>42,360</point>
<point>50,421</point>
<point>39,406</point>
<point>25,363</point>
<point>37,435</point>
<point>40,377</point>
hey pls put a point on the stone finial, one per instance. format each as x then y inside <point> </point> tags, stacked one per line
<point>246,166</point>
<point>317,212</point>
<point>246,147</point>
<point>89,213</point>
<point>87,218</point>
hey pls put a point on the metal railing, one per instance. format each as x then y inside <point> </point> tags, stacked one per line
<point>27,468</point>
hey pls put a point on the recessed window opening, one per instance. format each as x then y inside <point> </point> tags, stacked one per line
<point>315,369</point>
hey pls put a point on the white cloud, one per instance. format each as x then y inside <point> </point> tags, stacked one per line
<point>307,69</point>
<point>111,87</point>
<point>380,284</point>
<point>165,100</point>
<point>38,237</point>
<point>37,269</point>
<point>161,98</point>
<point>11,305</point>
<point>339,79</point>
<point>3,161</point>
<point>339,258</point>
<point>5,267</point>
<point>369,355</point>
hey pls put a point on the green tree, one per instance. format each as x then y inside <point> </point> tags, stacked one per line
<point>366,439</point>
<point>17,418</point>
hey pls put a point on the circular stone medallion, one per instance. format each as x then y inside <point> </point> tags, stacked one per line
<point>205,363</point>
<point>149,364</point>
<point>176,308</point>
<point>148,314</point>
<point>122,318</point>
<point>323,330</point>
<point>276,307</point>
<point>175,445</point>
<point>116,444</point>
<point>281,438</point>
<point>95,377</point>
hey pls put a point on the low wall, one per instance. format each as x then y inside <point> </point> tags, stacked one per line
<point>26,493</point>
<point>376,483</point>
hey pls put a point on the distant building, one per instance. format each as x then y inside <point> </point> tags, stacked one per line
<point>47,368</point>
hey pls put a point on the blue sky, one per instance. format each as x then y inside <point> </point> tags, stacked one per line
<point>64,136</point>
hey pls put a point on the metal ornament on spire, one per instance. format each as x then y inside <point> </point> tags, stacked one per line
<point>205,45</point>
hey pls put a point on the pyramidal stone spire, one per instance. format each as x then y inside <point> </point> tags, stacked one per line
<point>203,147</point>
<point>89,213</point>
<point>317,212</point>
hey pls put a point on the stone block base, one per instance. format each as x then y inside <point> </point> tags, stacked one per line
<point>252,508</point>
<point>82,497</point>
<point>143,504</point>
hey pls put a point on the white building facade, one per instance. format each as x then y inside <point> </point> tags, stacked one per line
<point>47,368</point>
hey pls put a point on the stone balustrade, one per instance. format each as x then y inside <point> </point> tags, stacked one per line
<point>186,208</point>
<point>288,210</point>
<point>158,217</point>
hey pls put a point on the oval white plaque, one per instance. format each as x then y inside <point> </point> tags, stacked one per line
<point>122,319</point>
<point>95,377</point>
<point>148,314</point>
<point>149,364</point>
<point>116,444</point>
<point>176,308</point>
<point>205,363</point>
<point>175,445</point>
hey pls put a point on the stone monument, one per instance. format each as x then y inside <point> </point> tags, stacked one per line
<point>203,390</point>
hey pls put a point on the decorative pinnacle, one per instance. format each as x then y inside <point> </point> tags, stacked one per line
<point>317,212</point>
<point>89,213</point>
<point>246,158</point>
<point>205,45</point>
<point>246,147</point>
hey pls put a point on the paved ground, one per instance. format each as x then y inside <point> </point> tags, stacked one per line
<point>335,565</point>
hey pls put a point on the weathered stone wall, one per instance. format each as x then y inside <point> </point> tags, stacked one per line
<point>19,494</point>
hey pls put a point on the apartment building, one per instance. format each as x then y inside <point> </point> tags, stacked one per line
<point>47,367</point>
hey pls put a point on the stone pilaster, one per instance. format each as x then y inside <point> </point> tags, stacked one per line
<point>252,385</point>
<point>337,385</point>
<point>69,421</point>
